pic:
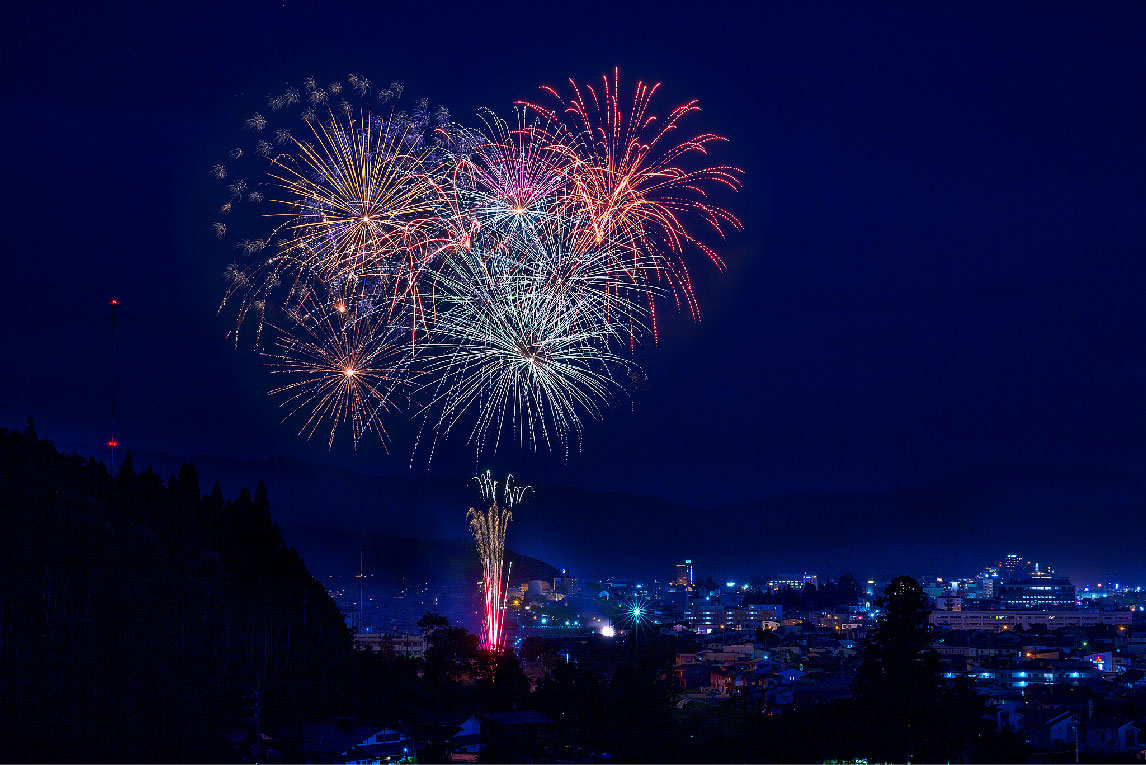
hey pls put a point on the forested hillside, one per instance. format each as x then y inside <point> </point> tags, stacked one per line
<point>142,619</point>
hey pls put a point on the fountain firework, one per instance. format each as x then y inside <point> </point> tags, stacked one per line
<point>488,527</point>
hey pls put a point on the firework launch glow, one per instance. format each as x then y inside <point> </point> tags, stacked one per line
<point>493,281</point>
<point>488,527</point>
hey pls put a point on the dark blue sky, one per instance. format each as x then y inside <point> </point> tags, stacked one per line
<point>945,218</point>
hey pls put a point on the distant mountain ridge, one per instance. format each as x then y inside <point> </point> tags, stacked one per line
<point>394,560</point>
<point>1060,514</point>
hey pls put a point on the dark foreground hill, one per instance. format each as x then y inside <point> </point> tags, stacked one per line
<point>141,620</point>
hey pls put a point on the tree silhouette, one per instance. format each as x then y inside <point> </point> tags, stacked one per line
<point>911,713</point>
<point>899,677</point>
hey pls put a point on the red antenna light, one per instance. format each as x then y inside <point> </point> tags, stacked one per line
<point>112,444</point>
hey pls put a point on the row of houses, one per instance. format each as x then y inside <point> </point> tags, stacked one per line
<point>1070,684</point>
<point>807,668</point>
<point>353,742</point>
<point>1056,731</point>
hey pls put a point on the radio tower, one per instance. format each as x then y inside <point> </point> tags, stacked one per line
<point>111,442</point>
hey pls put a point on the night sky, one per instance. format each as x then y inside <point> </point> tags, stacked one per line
<point>942,259</point>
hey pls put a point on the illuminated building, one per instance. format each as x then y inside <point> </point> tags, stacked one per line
<point>704,616</point>
<point>565,584</point>
<point>760,612</point>
<point>405,644</point>
<point>752,616</point>
<point>991,583</point>
<point>539,589</point>
<point>949,603</point>
<point>1014,569</point>
<point>795,583</point>
<point>1038,592</point>
<point>998,621</point>
<point>683,574</point>
<point>1058,672</point>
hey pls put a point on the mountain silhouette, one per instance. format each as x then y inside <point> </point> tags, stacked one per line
<point>1062,515</point>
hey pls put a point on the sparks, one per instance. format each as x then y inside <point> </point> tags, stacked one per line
<point>488,527</point>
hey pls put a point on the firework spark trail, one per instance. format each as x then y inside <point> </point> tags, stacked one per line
<point>488,527</point>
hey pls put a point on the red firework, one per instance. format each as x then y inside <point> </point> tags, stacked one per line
<point>634,184</point>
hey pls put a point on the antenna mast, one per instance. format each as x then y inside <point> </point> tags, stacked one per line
<point>112,443</point>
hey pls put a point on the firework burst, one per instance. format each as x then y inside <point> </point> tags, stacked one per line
<point>510,181</point>
<point>342,367</point>
<point>352,197</point>
<point>523,340</point>
<point>335,202</point>
<point>628,180</point>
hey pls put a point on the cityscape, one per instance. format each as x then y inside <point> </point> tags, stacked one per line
<point>1061,667</point>
<point>1012,593</point>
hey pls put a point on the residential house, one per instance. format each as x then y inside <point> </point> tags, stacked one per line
<point>1110,735</point>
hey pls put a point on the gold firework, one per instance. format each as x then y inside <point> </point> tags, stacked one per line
<point>355,197</point>
<point>345,367</point>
